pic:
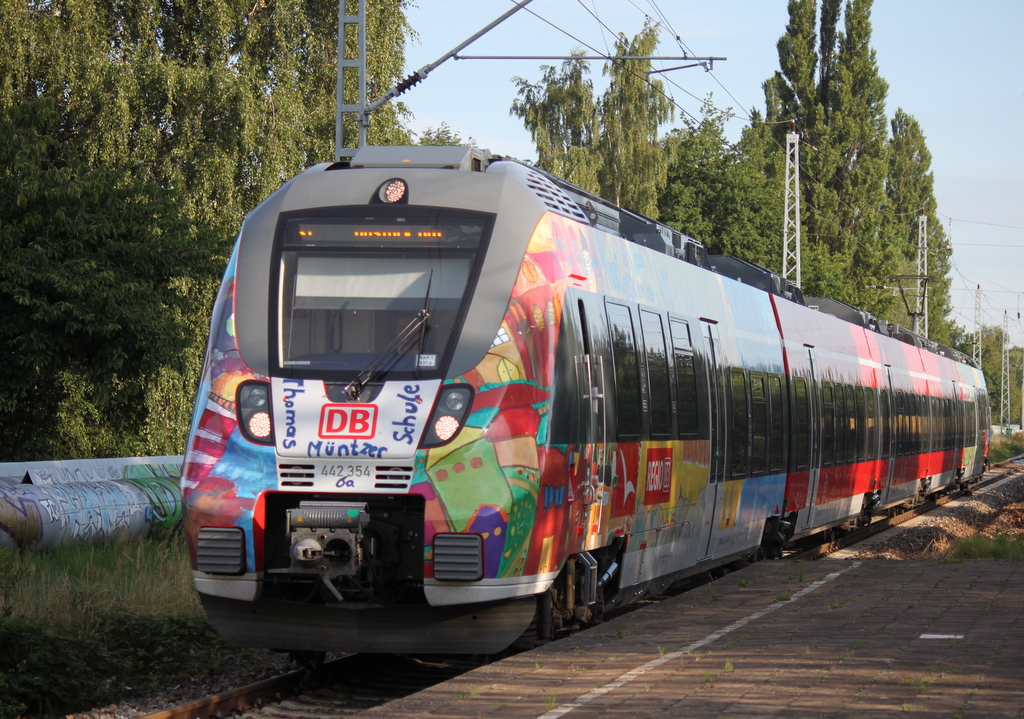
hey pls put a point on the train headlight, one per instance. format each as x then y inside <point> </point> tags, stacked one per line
<point>446,427</point>
<point>450,411</point>
<point>253,403</point>
<point>392,191</point>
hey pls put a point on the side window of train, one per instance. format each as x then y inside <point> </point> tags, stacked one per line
<point>628,414</point>
<point>778,427</point>
<point>802,424</point>
<point>828,425</point>
<point>564,402</point>
<point>758,424</point>
<point>660,391</point>
<point>871,426</point>
<point>884,398</point>
<point>901,424</point>
<point>862,435</point>
<point>851,425</point>
<point>842,431</point>
<point>688,407</point>
<point>740,423</point>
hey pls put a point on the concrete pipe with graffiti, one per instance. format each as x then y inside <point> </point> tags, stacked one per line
<point>43,517</point>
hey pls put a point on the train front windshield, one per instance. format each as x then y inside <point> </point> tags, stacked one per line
<point>352,279</point>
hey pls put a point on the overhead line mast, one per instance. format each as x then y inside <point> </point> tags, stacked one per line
<point>791,214</point>
<point>362,109</point>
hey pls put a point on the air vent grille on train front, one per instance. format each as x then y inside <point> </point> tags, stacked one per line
<point>554,197</point>
<point>458,557</point>
<point>391,477</point>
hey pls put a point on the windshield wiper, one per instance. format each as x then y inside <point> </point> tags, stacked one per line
<point>355,387</point>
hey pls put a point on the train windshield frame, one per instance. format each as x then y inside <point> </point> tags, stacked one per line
<point>348,280</point>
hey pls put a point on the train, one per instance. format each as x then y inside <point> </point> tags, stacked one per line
<point>451,402</point>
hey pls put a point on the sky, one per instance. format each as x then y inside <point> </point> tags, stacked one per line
<point>957,67</point>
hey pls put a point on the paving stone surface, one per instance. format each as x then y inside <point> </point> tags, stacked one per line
<point>782,640</point>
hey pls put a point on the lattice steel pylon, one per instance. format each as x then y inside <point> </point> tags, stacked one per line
<point>791,215</point>
<point>922,270</point>
<point>347,65</point>
<point>1004,394</point>
<point>977,325</point>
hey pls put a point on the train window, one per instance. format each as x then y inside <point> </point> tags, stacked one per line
<point>861,432</point>
<point>628,415</point>
<point>828,425</point>
<point>778,433</point>
<point>884,397</point>
<point>901,423</point>
<point>740,424</point>
<point>658,376</point>
<point>841,432</point>
<point>802,421</point>
<point>686,385</point>
<point>851,424</point>
<point>913,417</point>
<point>871,426</point>
<point>681,335</point>
<point>348,286</point>
<point>758,424</point>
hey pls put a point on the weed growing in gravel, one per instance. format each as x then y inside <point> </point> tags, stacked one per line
<point>550,700</point>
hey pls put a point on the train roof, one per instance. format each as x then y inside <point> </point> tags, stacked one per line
<point>575,202</point>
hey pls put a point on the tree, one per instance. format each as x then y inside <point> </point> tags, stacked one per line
<point>830,85</point>
<point>99,271</point>
<point>443,135</point>
<point>136,137</point>
<point>609,147</point>
<point>720,193</point>
<point>561,115</point>
<point>633,166</point>
<point>910,187</point>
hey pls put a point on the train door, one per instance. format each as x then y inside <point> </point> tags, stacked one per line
<point>807,444</point>
<point>594,457</point>
<point>716,404</point>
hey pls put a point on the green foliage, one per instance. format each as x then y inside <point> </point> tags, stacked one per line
<point>133,140</point>
<point>633,165</point>
<point>443,135</point>
<point>829,83</point>
<point>91,290</point>
<point>561,115</point>
<point>1003,546</point>
<point>72,587</point>
<point>910,188</point>
<point>610,146</point>
<point>721,193</point>
<point>42,672</point>
<point>1004,447</point>
<point>45,672</point>
<point>82,623</point>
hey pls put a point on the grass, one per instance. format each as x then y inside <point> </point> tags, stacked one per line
<point>86,625</point>
<point>1002,546</point>
<point>73,587</point>
<point>1002,447</point>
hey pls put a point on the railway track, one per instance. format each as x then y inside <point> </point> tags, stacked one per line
<point>828,545</point>
<point>352,683</point>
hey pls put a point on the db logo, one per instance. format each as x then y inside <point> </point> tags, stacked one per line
<point>348,421</point>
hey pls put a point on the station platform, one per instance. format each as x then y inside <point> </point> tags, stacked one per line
<point>828,638</point>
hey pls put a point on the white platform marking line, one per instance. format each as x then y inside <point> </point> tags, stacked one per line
<point>655,663</point>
